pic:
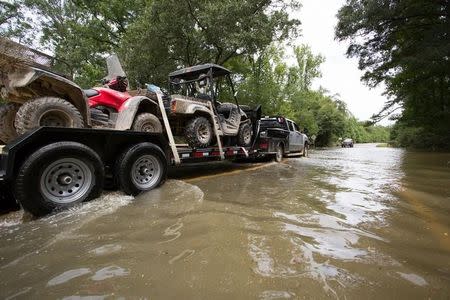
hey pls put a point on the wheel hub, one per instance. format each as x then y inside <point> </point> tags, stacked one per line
<point>55,118</point>
<point>66,180</point>
<point>145,172</point>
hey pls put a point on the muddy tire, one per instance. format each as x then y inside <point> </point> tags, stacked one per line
<point>7,116</point>
<point>141,168</point>
<point>279,153</point>
<point>58,176</point>
<point>199,132</point>
<point>245,135</point>
<point>147,122</point>
<point>47,111</point>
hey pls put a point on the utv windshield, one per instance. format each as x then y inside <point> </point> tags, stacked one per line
<point>114,68</point>
<point>197,88</point>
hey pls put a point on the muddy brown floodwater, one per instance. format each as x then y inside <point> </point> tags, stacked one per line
<point>353,223</point>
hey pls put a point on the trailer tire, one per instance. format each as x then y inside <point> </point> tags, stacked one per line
<point>7,116</point>
<point>141,168</point>
<point>199,132</point>
<point>47,111</point>
<point>58,176</point>
<point>147,122</point>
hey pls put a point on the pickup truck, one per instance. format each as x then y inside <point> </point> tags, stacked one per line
<point>281,137</point>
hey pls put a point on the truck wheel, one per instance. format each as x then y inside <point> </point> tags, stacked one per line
<point>279,153</point>
<point>198,132</point>
<point>47,111</point>
<point>141,168</point>
<point>58,176</point>
<point>7,115</point>
<point>305,150</point>
<point>147,122</point>
<point>245,135</point>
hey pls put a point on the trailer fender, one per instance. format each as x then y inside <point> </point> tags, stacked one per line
<point>131,108</point>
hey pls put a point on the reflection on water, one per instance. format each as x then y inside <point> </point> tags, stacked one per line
<point>363,222</point>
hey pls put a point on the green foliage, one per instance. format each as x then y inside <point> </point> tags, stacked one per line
<point>406,45</point>
<point>13,22</point>
<point>266,79</point>
<point>172,33</point>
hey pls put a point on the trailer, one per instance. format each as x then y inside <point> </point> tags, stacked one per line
<point>53,168</point>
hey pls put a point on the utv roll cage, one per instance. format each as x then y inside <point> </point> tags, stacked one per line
<point>189,76</point>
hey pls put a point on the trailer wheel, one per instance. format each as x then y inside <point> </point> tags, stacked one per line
<point>47,111</point>
<point>58,176</point>
<point>141,168</point>
<point>147,122</point>
<point>7,115</point>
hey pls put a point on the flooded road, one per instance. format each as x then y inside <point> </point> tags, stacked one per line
<point>354,223</point>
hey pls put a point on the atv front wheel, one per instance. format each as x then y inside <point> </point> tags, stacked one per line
<point>147,122</point>
<point>199,132</point>
<point>7,115</point>
<point>245,135</point>
<point>47,111</point>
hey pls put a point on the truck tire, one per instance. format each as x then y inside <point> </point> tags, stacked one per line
<point>7,116</point>
<point>147,122</point>
<point>245,135</point>
<point>199,132</point>
<point>47,111</point>
<point>305,150</point>
<point>141,168</point>
<point>58,176</point>
<point>279,153</point>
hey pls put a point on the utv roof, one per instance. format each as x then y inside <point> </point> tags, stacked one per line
<point>195,71</point>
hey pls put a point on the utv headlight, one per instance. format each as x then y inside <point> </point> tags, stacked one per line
<point>263,134</point>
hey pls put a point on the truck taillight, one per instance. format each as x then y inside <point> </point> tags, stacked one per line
<point>173,105</point>
<point>264,144</point>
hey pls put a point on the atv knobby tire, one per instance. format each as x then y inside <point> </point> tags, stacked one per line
<point>47,111</point>
<point>147,122</point>
<point>198,132</point>
<point>7,116</point>
<point>58,176</point>
<point>245,135</point>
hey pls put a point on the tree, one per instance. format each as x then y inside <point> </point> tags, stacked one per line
<point>173,33</point>
<point>13,22</point>
<point>406,45</point>
<point>80,33</point>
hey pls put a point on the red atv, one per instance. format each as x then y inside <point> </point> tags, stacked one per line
<point>113,106</point>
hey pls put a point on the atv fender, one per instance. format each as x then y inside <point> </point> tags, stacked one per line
<point>43,83</point>
<point>131,108</point>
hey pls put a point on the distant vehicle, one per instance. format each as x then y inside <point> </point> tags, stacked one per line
<point>347,143</point>
<point>281,137</point>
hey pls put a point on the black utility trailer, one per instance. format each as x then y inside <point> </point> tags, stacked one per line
<point>54,168</point>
